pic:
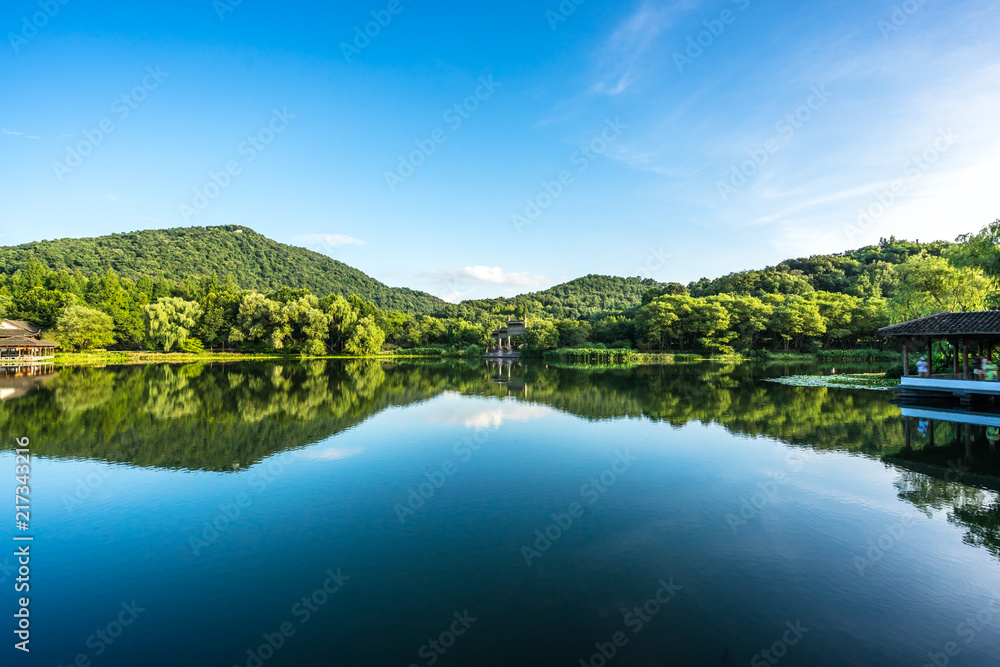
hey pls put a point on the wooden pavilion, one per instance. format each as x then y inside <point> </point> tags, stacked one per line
<point>972,333</point>
<point>20,341</point>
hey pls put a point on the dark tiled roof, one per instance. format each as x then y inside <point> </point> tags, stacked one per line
<point>983,322</point>
<point>17,328</point>
<point>23,341</point>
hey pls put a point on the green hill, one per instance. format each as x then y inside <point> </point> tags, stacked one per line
<point>254,262</point>
<point>867,271</point>
<point>575,299</point>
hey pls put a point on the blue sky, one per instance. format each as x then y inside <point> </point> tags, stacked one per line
<point>672,140</point>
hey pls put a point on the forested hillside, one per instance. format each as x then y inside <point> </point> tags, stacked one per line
<point>232,288</point>
<point>253,261</point>
<point>576,299</point>
<point>867,271</point>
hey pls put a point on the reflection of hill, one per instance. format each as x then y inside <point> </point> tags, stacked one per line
<point>223,417</point>
<point>729,395</point>
<point>204,417</point>
<point>217,417</point>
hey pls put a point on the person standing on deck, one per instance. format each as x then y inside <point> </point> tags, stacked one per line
<point>923,368</point>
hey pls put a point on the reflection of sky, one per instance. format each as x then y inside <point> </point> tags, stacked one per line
<point>332,505</point>
<point>452,408</point>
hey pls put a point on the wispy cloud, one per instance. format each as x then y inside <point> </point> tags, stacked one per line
<point>619,61</point>
<point>326,243</point>
<point>459,283</point>
<point>114,199</point>
<point>4,130</point>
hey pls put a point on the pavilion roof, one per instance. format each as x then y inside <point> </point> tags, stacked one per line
<point>24,341</point>
<point>975,323</point>
<point>17,328</point>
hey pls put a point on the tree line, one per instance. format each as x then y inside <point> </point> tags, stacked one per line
<point>779,308</point>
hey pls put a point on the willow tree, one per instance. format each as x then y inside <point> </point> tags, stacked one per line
<point>169,321</point>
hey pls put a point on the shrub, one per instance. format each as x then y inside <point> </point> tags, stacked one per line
<point>192,346</point>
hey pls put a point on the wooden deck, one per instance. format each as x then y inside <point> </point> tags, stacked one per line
<point>945,386</point>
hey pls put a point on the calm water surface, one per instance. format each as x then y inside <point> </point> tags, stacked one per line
<point>464,514</point>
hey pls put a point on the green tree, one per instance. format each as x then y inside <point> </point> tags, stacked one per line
<point>748,318</point>
<point>341,318</point>
<point>794,319</point>
<point>260,321</point>
<point>82,328</point>
<point>367,338</point>
<point>309,325</point>
<point>573,333</point>
<point>981,251</point>
<point>927,285</point>
<point>169,321</point>
<point>540,336</point>
<point>656,323</point>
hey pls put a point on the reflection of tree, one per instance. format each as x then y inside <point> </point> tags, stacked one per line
<point>79,392</point>
<point>928,494</point>
<point>975,511</point>
<point>205,416</point>
<point>982,524</point>
<point>171,394</point>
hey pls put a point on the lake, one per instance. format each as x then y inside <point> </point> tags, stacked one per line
<point>466,513</point>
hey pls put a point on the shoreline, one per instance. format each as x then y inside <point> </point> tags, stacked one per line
<point>127,358</point>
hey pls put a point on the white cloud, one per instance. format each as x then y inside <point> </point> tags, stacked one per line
<point>453,408</point>
<point>329,239</point>
<point>327,243</point>
<point>329,453</point>
<point>459,283</point>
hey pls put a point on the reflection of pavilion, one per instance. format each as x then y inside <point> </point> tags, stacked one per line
<point>951,444</point>
<point>501,373</point>
<point>947,466</point>
<point>20,379</point>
